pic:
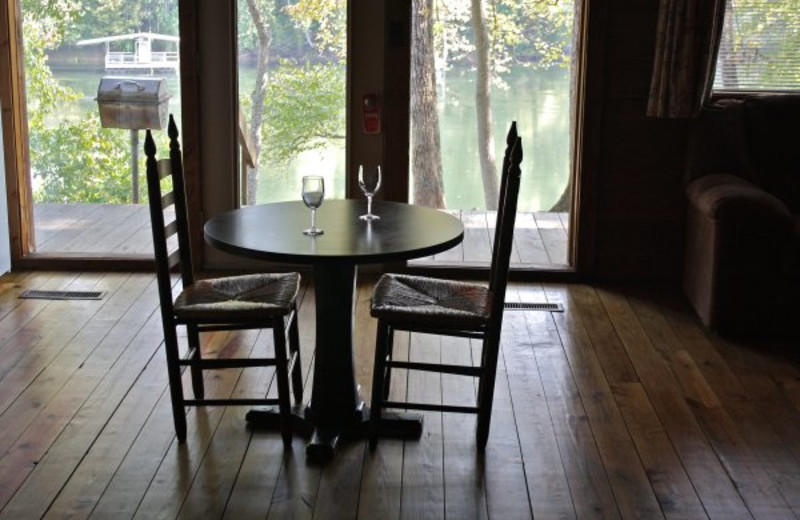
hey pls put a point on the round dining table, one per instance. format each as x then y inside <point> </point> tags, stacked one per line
<point>274,232</point>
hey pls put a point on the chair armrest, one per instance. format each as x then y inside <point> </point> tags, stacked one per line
<point>728,198</point>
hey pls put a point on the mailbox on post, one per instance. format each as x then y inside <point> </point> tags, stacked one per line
<point>133,103</point>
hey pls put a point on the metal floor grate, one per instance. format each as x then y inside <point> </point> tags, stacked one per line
<point>530,306</point>
<point>61,295</point>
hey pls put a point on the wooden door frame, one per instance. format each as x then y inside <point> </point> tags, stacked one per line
<point>15,133</point>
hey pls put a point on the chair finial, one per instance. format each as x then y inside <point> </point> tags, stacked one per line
<point>172,128</point>
<point>172,131</point>
<point>149,145</point>
<point>512,134</point>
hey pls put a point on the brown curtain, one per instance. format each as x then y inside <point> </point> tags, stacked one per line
<point>689,32</point>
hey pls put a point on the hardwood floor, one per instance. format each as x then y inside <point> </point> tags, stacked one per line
<point>619,407</point>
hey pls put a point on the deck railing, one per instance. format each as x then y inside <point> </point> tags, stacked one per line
<point>133,60</point>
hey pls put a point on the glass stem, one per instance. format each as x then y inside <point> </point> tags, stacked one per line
<point>314,218</point>
<point>369,204</point>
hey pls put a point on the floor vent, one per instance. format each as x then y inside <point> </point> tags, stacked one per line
<point>529,306</point>
<point>62,295</point>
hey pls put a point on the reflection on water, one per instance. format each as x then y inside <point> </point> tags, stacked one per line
<point>537,100</point>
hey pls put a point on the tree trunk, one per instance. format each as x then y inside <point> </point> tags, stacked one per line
<point>483,105</point>
<point>426,162</point>
<point>259,93</point>
<point>564,202</point>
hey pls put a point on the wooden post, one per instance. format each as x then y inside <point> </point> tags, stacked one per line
<point>135,166</point>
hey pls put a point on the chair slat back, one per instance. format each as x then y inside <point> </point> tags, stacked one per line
<point>181,210</point>
<point>501,256</point>
<point>170,229</point>
<point>511,139</point>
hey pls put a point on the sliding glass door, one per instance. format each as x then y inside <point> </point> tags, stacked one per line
<point>84,159</point>
<point>476,66</point>
<point>292,86</point>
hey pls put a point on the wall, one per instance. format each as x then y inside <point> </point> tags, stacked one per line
<point>637,162</point>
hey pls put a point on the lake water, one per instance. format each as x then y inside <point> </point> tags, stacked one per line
<point>537,100</point>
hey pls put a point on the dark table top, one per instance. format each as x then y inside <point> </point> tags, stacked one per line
<point>274,232</point>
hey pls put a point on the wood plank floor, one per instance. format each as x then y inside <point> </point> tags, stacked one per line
<point>619,407</point>
<point>540,238</point>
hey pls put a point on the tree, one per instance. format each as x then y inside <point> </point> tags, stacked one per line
<point>490,37</point>
<point>262,24</point>
<point>483,105</point>
<point>426,162</point>
<point>564,202</point>
<point>105,17</point>
<point>297,104</point>
<point>82,162</point>
<point>297,121</point>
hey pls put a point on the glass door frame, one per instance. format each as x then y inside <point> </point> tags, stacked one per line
<point>15,133</point>
<point>16,141</point>
<point>383,70</point>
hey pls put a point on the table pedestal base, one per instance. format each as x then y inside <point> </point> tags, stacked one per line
<point>324,439</point>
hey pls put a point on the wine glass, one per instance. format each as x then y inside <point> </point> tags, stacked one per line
<point>313,195</point>
<point>370,182</point>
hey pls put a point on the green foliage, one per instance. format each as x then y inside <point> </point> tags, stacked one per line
<point>44,94</point>
<point>72,161</point>
<point>324,21</point>
<point>544,28</point>
<point>112,17</point>
<point>759,45</point>
<point>304,109</point>
<point>81,162</point>
<point>54,17</point>
<point>533,33</point>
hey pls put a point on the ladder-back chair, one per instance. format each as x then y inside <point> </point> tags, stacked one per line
<point>451,308</point>
<point>253,301</point>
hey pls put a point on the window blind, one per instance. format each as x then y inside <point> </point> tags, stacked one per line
<point>760,47</point>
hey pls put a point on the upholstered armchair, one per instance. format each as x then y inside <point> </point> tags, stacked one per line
<point>742,257</point>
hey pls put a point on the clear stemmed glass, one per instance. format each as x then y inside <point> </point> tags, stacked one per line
<point>370,182</point>
<point>313,195</point>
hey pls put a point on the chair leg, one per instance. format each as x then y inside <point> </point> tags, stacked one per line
<point>294,348</point>
<point>486,383</point>
<point>282,375</point>
<point>387,378</point>
<point>193,336</point>
<point>175,384</point>
<point>382,341</point>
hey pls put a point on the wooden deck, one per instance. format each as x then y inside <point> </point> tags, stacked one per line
<point>619,407</point>
<point>107,229</point>
<point>124,229</point>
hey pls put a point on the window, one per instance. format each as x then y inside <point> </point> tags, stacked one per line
<point>759,46</point>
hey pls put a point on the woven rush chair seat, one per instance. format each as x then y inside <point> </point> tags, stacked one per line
<point>438,302</point>
<point>244,297</point>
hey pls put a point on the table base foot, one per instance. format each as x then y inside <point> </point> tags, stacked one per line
<point>324,439</point>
